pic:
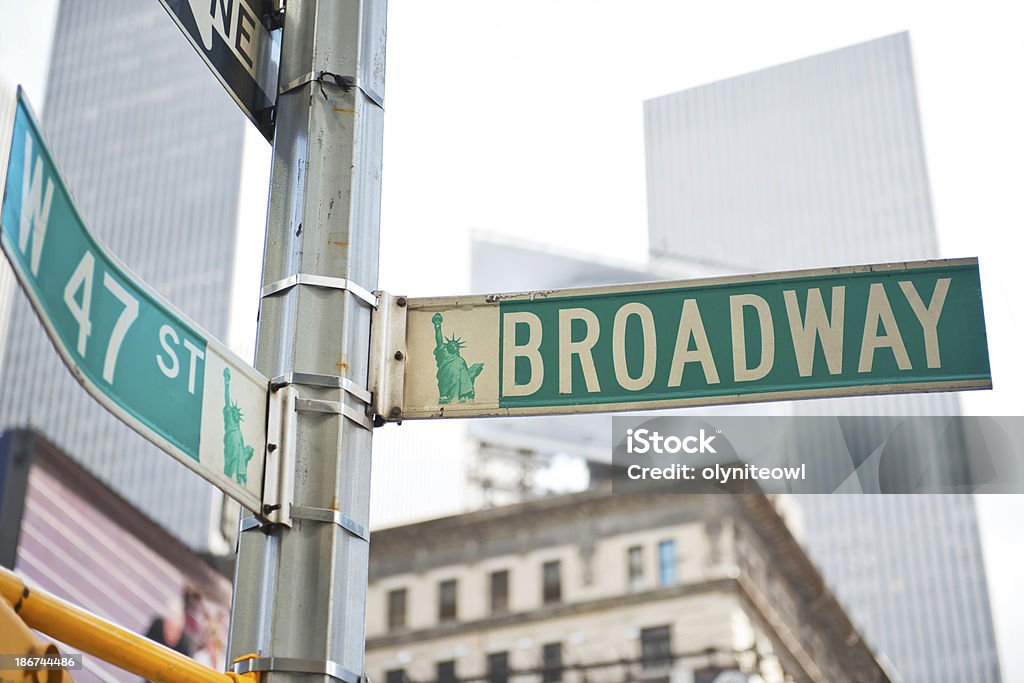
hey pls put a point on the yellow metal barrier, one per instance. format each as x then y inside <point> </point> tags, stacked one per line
<point>95,636</point>
<point>17,639</point>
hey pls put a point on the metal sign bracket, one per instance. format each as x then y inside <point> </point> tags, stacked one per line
<point>345,83</point>
<point>308,280</point>
<point>278,487</point>
<point>313,379</point>
<point>316,405</point>
<point>388,356</point>
<point>333,517</point>
<point>272,14</point>
<point>330,669</point>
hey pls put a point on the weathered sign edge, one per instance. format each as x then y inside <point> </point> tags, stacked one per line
<point>493,410</point>
<point>468,301</point>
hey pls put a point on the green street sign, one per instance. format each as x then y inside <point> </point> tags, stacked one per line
<point>131,349</point>
<point>876,329</point>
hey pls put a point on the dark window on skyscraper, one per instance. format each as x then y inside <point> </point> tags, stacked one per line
<point>552,658</point>
<point>499,591</point>
<point>396,608</point>
<point>497,667</point>
<point>635,567</point>
<point>446,608</point>
<point>656,647</point>
<point>552,572</point>
<point>446,671</point>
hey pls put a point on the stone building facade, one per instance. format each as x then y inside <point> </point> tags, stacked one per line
<point>598,587</point>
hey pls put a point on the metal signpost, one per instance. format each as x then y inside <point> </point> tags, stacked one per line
<point>242,53</point>
<point>300,593</point>
<point>880,329</point>
<point>131,349</point>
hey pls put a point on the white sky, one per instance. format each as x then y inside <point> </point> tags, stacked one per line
<point>525,119</point>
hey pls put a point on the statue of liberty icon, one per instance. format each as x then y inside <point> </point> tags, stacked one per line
<point>455,379</point>
<point>236,454</point>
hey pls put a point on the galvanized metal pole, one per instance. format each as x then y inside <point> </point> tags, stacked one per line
<point>300,592</point>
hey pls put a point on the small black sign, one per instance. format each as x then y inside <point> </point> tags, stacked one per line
<point>230,37</point>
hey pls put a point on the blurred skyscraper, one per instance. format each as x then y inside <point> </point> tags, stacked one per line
<point>821,162</point>
<point>152,149</point>
<point>8,286</point>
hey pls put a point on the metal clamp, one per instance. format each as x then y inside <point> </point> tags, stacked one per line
<point>282,436</point>
<point>346,83</point>
<point>294,665</point>
<point>314,515</point>
<point>333,517</point>
<point>388,356</point>
<point>313,379</point>
<point>313,405</point>
<point>273,14</point>
<point>321,281</point>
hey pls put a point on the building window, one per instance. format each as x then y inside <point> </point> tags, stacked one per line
<point>446,608</point>
<point>656,647</point>
<point>635,564</point>
<point>446,671</point>
<point>552,658</point>
<point>396,609</point>
<point>497,667</point>
<point>395,676</point>
<point>552,582</point>
<point>668,570</point>
<point>499,591</point>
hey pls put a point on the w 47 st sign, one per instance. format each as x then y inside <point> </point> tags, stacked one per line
<point>138,356</point>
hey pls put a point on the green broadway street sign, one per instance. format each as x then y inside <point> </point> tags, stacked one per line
<point>137,355</point>
<point>877,329</point>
